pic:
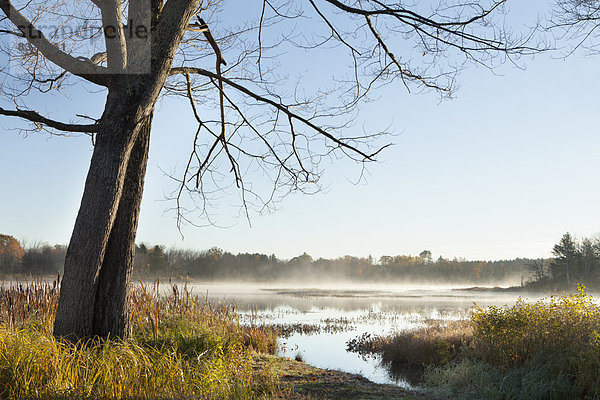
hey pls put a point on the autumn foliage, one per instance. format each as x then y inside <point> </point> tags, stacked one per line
<point>11,253</point>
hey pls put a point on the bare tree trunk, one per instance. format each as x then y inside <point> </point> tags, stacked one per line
<point>98,256</point>
<point>111,312</point>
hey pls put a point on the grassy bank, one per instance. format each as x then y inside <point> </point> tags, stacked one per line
<point>544,350</point>
<point>181,347</point>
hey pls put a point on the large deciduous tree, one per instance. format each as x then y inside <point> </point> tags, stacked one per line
<point>222,59</point>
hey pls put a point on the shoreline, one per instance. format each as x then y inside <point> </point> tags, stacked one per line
<point>302,381</point>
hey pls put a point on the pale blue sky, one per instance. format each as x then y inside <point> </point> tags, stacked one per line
<point>501,171</point>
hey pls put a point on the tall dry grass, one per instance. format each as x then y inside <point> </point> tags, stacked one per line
<point>27,303</point>
<point>181,347</point>
<point>435,344</point>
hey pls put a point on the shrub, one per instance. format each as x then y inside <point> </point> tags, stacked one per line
<point>564,327</point>
<point>545,350</point>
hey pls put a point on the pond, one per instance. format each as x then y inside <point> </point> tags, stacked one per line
<point>320,320</point>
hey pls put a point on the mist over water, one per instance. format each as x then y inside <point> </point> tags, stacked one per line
<point>322,318</point>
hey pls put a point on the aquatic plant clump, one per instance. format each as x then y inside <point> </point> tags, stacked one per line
<point>435,344</point>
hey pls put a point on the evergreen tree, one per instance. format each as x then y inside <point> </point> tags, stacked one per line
<point>566,259</point>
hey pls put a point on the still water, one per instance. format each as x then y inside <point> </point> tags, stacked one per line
<point>323,318</point>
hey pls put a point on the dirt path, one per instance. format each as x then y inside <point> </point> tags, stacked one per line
<point>302,381</point>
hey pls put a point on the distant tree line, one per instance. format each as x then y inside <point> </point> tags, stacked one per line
<point>215,264</point>
<point>36,259</point>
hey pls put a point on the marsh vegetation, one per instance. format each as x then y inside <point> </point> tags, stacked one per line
<point>181,347</point>
<point>206,341</point>
<point>547,349</point>
<point>202,339</point>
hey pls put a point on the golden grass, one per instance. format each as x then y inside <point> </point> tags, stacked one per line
<point>435,344</point>
<point>438,343</point>
<point>181,347</point>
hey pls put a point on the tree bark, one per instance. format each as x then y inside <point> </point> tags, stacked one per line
<point>104,232</point>
<point>111,312</point>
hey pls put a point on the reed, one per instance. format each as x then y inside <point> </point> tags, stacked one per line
<point>181,347</point>
<point>435,344</point>
<point>26,303</point>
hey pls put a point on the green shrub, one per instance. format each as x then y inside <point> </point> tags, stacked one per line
<point>565,325</point>
<point>544,350</point>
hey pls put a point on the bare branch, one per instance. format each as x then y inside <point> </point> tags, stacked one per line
<point>114,36</point>
<point>281,107</point>
<point>578,21</point>
<point>213,43</point>
<point>403,72</point>
<point>36,118</point>
<point>200,28</point>
<point>333,30</point>
<point>17,34</point>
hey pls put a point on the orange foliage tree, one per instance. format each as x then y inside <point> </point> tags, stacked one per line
<point>11,253</point>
